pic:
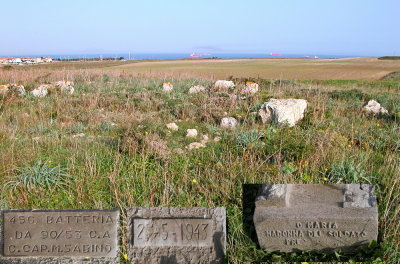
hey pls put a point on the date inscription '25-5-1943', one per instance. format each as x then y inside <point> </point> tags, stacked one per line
<point>172,232</point>
<point>88,233</point>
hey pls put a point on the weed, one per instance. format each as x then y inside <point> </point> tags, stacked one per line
<point>39,175</point>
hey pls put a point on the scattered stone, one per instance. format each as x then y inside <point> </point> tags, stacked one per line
<point>324,217</point>
<point>217,139</point>
<point>375,108</point>
<point>205,139</point>
<point>59,236</point>
<point>195,145</point>
<point>176,235</point>
<point>250,88</point>
<point>179,151</point>
<point>224,85</point>
<point>78,135</point>
<point>60,86</point>
<point>197,89</point>
<point>167,87</point>
<point>41,91</point>
<point>228,122</point>
<point>14,88</point>
<point>191,133</point>
<point>36,139</point>
<point>172,126</point>
<point>64,86</point>
<point>283,111</point>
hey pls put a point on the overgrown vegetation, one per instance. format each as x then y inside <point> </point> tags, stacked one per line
<point>110,137</point>
<point>389,58</point>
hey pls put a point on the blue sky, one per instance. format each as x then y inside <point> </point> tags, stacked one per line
<point>342,27</point>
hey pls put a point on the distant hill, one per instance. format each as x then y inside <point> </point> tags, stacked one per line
<point>389,58</point>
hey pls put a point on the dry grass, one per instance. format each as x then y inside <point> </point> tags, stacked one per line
<point>136,162</point>
<point>301,69</point>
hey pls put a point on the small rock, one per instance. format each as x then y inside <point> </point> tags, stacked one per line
<point>191,133</point>
<point>167,87</point>
<point>197,89</point>
<point>78,135</point>
<point>283,111</point>
<point>36,139</point>
<point>375,108</point>
<point>250,88</point>
<point>172,126</point>
<point>205,139</point>
<point>195,145</point>
<point>224,85</point>
<point>179,151</point>
<point>228,122</point>
<point>217,139</point>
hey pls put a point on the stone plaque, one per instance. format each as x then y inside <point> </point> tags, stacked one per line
<point>324,217</point>
<point>51,234</point>
<point>176,235</point>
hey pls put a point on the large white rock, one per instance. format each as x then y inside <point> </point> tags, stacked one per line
<point>250,88</point>
<point>375,108</point>
<point>167,87</point>
<point>223,85</point>
<point>191,133</point>
<point>197,89</point>
<point>41,91</point>
<point>172,126</point>
<point>283,111</point>
<point>228,122</point>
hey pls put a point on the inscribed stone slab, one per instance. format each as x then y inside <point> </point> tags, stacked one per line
<point>59,236</point>
<point>324,217</point>
<point>176,235</point>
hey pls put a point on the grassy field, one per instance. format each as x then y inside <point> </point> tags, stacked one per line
<point>107,146</point>
<point>301,69</point>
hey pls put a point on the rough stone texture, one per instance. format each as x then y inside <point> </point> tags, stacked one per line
<point>195,145</point>
<point>250,88</point>
<point>283,111</point>
<point>41,91</point>
<point>191,133</point>
<point>197,89</point>
<point>14,88</point>
<point>375,108</point>
<point>172,126</point>
<point>7,236</point>
<point>167,87</point>
<point>176,235</point>
<point>323,217</point>
<point>64,86</point>
<point>223,85</point>
<point>228,122</point>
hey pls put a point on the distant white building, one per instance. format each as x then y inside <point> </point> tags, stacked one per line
<point>16,61</point>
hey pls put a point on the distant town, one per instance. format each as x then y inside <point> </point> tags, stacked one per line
<point>25,60</point>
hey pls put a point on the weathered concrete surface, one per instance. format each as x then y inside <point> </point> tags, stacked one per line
<point>283,111</point>
<point>176,235</point>
<point>59,236</point>
<point>322,217</point>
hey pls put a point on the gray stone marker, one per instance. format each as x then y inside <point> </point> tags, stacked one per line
<point>323,217</point>
<point>59,236</point>
<point>176,235</point>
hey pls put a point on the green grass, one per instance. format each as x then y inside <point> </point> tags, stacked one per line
<point>128,157</point>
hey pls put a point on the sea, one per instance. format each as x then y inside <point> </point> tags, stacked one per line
<point>165,56</point>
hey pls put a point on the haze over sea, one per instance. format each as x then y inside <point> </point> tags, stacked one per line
<point>164,56</point>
